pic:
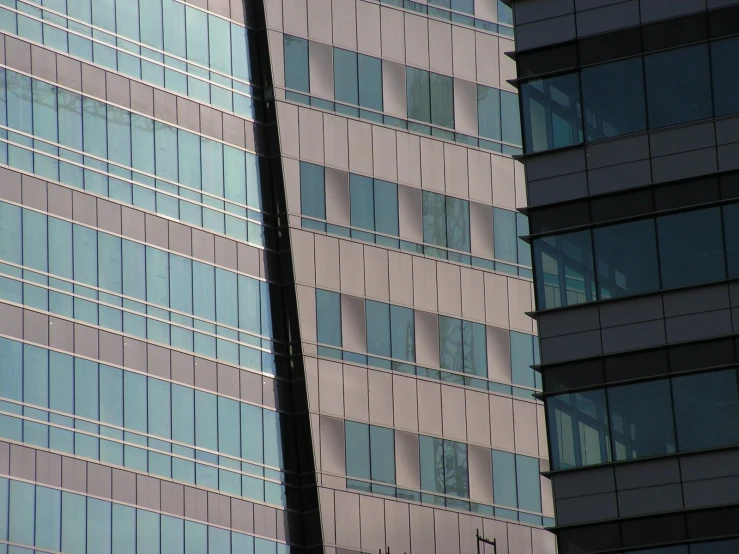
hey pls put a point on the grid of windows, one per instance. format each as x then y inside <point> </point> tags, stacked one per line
<point>669,251</point>
<point>658,90</point>
<point>56,520</point>
<point>463,345</point>
<point>163,42</point>
<point>129,158</point>
<point>652,418</point>
<point>119,284</point>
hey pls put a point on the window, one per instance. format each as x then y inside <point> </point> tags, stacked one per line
<point>382,454</point>
<point>370,454</point>
<point>724,54</point>
<point>627,259</point>
<point>678,86</point>
<point>312,195</point>
<point>511,115</point>
<point>296,64</point>
<point>528,483</point>
<point>370,82</point>
<point>346,77</point>
<point>551,113</point>
<point>488,112</point>
<point>578,429</point>
<point>613,98</point>
<point>504,479</point>
<point>403,335</point>
<point>522,358</point>
<point>641,420</point>
<point>450,343</point>
<point>378,328</point>
<point>504,235</point>
<point>446,221</point>
<point>443,466</point>
<point>731,238</point>
<point>430,97</point>
<point>690,248</point>
<point>357,80</point>
<point>328,314</point>
<point>564,270</point>
<point>434,218</point>
<point>362,206</point>
<point>706,410</point>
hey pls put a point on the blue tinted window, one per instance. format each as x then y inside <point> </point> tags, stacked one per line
<point>551,113</point>
<point>48,518</point>
<point>296,64</point>
<point>442,100</point>
<point>328,314</point>
<point>419,96</point>
<point>528,484</point>
<point>578,429</point>
<point>382,453</point>
<point>641,420</point>
<point>504,234</point>
<point>124,529</point>
<point>731,238</point>
<point>724,54</point>
<point>346,78</point>
<point>432,464</point>
<point>511,117</point>
<point>312,192</point>
<point>370,82</point>
<point>522,357</point>
<point>403,337</point>
<point>458,224</point>
<point>361,191</point>
<point>504,479</point>
<point>173,535</point>
<point>22,502</point>
<point>434,218</point>
<point>524,250</point>
<point>456,479</point>
<point>706,410</point>
<point>357,450</point>
<point>475,348</point>
<point>378,328</point>
<point>488,112</point>
<point>627,258</point>
<point>74,510</point>
<point>99,525</point>
<point>505,13</point>
<point>451,353</point>
<point>678,86</point>
<point>613,98</point>
<point>386,214</point>
<point>690,248</point>
<point>564,270</point>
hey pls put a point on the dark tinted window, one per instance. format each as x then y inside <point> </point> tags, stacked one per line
<point>613,98</point>
<point>706,410</point>
<point>731,238</point>
<point>724,54</point>
<point>641,420</point>
<point>690,248</point>
<point>626,259</point>
<point>678,86</point>
<point>551,112</point>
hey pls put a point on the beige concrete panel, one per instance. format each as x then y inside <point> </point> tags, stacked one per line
<point>307,312</point>
<point>345,23</point>
<point>409,159</point>
<point>327,262</point>
<point>380,398</point>
<point>432,164</point>
<point>478,417</point>
<point>463,52</point>
<point>473,294</point>
<point>504,191</point>
<point>368,32</point>
<point>291,172</point>
<point>384,153</point>
<point>465,107</point>
<point>336,141</point>
<point>352,267</point>
<point>453,413</point>
<point>525,427</point>
<point>481,176</point>
<point>303,256</point>
<point>520,302</point>
<point>356,393</point>
<point>440,47</point>
<point>429,408</point>
<point>319,20</point>
<point>405,403</point>
<point>360,147</point>
<point>416,40</point>
<point>401,278</point>
<point>273,15</point>
<point>455,170</point>
<point>376,273</point>
<point>311,135</point>
<point>331,388</point>
<point>295,17</point>
<point>488,71</point>
<point>392,29</point>
<point>424,284</point>
<point>287,122</point>
<point>394,97</point>
<point>449,289</point>
<point>501,422</point>
<point>496,300</point>
<point>507,65</point>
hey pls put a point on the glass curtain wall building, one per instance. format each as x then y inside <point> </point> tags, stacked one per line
<point>261,286</point>
<point>629,114</point>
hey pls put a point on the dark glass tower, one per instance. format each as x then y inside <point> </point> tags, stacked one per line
<point>630,135</point>
<point>261,290</point>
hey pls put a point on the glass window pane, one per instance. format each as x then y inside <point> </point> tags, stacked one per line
<point>173,535</point>
<point>99,525</point>
<point>528,483</point>
<point>522,357</point>
<point>74,532</point>
<point>48,518</point>
<point>678,86</point>
<point>626,259</point>
<point>551,113</point>
<point>442,100</point>
<point>578,429</point>
<point>524,249</point>
<point>346,78</point>
<point>328,314</point>
<point>731,238</point>
<point>511,116</point>
<point>434,219</point>
<point>504,235</point>
<point>370,82</point>
<point>724,54</point>
<point>147,532</point>
<point>458,224</point>
<point>706,410</point>
<point>564,270</point>
<point>475,348</point>
<point>613,98</point>
<point>456,480</point>
<point>22,503</point>
<point>382,454</point>
<point>419,95</point>
<point>124,529</point>
<point>488,112</point>
<point>357,450</point>
<point>312,191</point>
<point>206,420</point>
<point>451,353</point>
<point>403,336</point>
<point>378,328</point>
<point>690,248</point>
<point>361,191</point>
<point>504,479</point>
<point>432,464</point>
<point>641,420</point>
<point>296,64</point>
<point>386,198</point>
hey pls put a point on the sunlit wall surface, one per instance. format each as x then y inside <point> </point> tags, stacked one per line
<point>261,286</point>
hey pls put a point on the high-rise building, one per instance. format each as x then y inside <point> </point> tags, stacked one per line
<point>630,112</point>
<point>261,289</point>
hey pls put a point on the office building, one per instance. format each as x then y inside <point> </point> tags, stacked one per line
<point>261,289</point>
<point>629,112</point>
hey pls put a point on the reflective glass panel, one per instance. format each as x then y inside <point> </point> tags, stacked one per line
<point>419,96</point>
<point>296,64</point>
<point>724,54</point>
<point>678,86</point>
<point>551,112</point>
